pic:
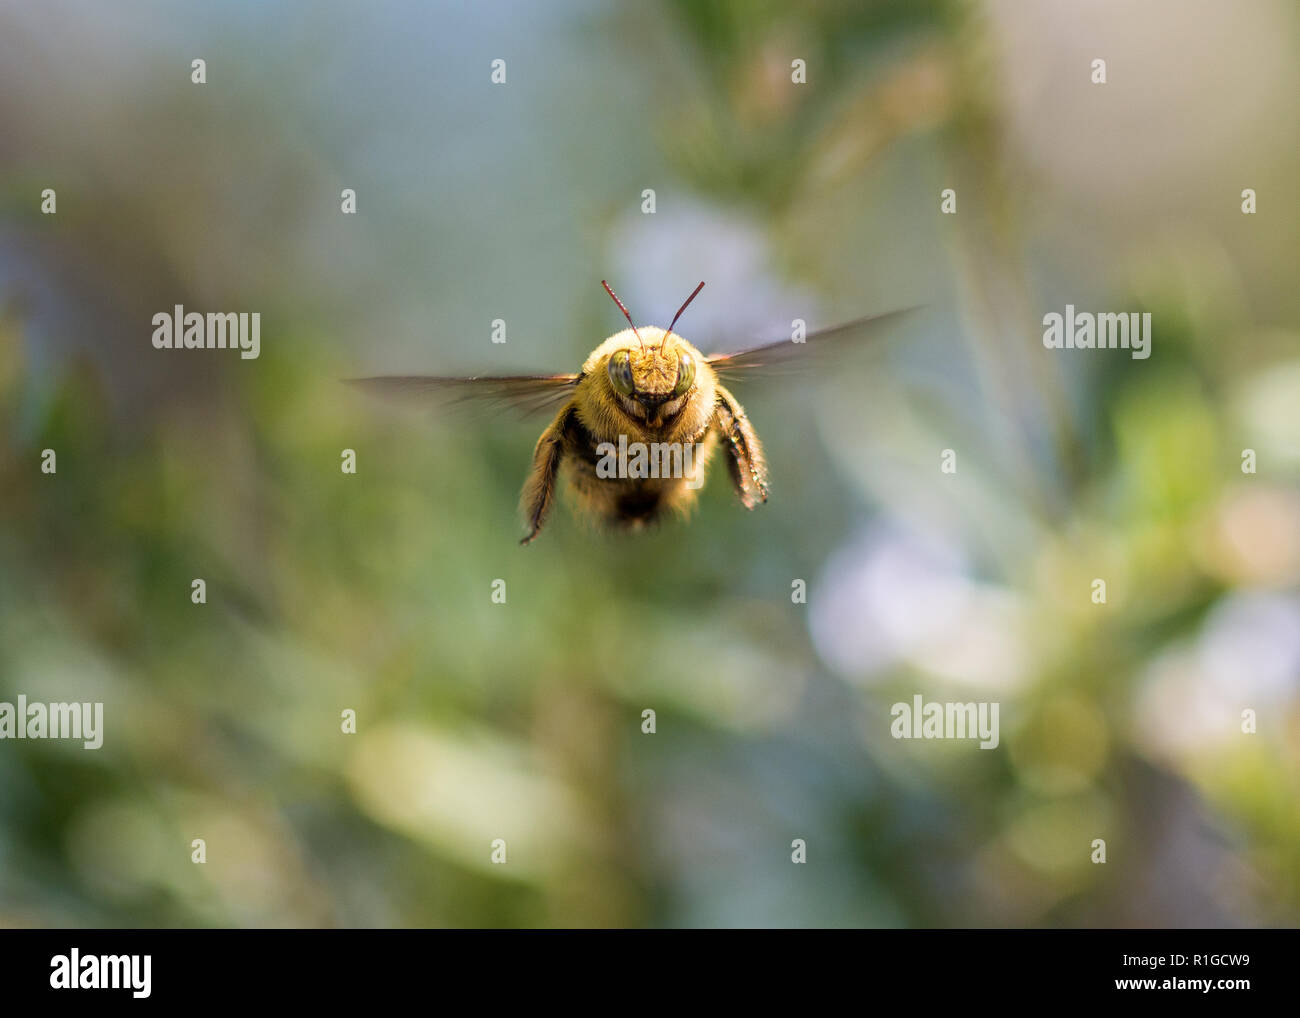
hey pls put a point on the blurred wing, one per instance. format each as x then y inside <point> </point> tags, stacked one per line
<point>527,394</point>
<point>787,356</point>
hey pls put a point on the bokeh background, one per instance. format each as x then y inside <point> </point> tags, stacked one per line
<point>522,721</point>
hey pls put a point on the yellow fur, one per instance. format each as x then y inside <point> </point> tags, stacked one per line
<point>704,417</point>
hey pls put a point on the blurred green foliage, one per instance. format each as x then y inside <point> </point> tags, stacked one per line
<point>330,592</point>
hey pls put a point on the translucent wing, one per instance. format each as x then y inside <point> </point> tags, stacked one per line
<point>527,394</point>
<point>787,356</point>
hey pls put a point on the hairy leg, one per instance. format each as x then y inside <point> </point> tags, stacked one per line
<point>538,495</point>
<point>743,450</point>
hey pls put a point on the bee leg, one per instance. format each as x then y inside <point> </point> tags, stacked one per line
<point>538,495</point>
<point>743,450</point>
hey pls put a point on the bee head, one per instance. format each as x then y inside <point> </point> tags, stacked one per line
<point>654,369</point>
<point>651,376</point>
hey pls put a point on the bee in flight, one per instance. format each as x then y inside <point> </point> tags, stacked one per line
<point>647,390</point>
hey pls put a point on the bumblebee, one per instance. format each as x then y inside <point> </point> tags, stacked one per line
<point>647,389</point>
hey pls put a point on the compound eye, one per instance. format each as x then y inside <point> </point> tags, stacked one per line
<point>685,373</point>
<point>620,372</point>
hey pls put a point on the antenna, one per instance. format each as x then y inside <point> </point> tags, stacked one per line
<point>625,314</point>
<point>683,308</point>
